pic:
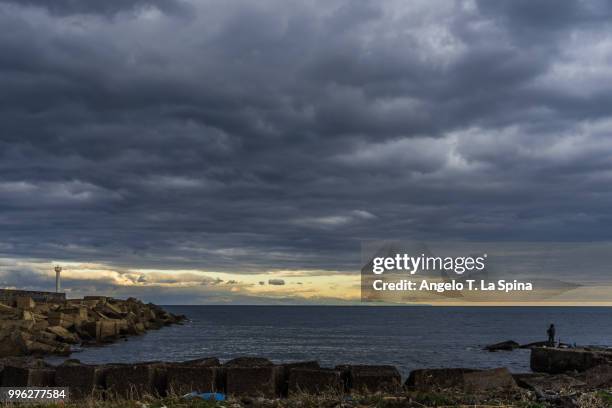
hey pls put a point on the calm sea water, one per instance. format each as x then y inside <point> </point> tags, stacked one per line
<point>407,337</point>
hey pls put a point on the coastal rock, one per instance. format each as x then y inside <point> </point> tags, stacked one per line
<point>134,381</point>
<point>545,385</point>
<point>598,377</point>
<point>248,362</point>
<point>25,303</point>
<point>479,381</point>
<point>315,381</point>
<point>534,345</point>
<point>183,379</point>
<point>288,367</point>
<point>18,376</point>
<point>437,378</point>
<point>254,381</point>
<point>557,360</point>
<point>372,378</point>
<point>63,335</point>
<point>508,345</point>
<point>83,380</point>
<point>203,362</point>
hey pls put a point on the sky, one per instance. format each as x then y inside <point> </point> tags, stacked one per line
<point>190,152</point>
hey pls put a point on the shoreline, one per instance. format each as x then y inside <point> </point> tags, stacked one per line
<point>51,326</point>
<point>561,376</point>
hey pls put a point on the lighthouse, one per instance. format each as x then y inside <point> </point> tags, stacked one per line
<point>58,269</point>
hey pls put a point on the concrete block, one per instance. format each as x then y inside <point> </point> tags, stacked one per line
<point>134,381</point>
<point>436,378</point>
<point>499,378</point>
<point>182,379</point>
<point>83,380</point>
<point>315,381</point>
<point>13,376</point>
<point>374,378</point>
<point>253,381</point>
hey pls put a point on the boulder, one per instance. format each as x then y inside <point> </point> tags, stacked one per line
<point>203,362</point>
<point>372,378</point>
<point>599,376</point>
<point>25,303</point>
<point>101,330</point>
<point>63,334</point>
<point>57,318</point>
<point>77,312</point>
<point>17,376</point>
<point>508,345</point>
<point>534,345</point>
<point>285,371</point>
<point>83,380</point>
<point>7,312</point>
<point>315,381</point>
<point>136,328</point>
<point>135,381</point>
<point>248,362</point>
<point>546,384</point>
<point>183,379</point>
<point>498,378</point>
<point>254,381</point>
<point>437,378</point>
<point>557,360</point>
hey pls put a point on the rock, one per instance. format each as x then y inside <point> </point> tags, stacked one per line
<point>63,334</point>
<point>556,360</point>
<point>248,362</point>
<point>25,303</point>
<point>13,376</point>
<point>286,371</point>
<point>437,378</point>
<point>135,381</point>
<point>12,343</point>
<point>82,380</point>
<point>546,384</point>
<point>183,379</point>
<point>49,328</point>
<point>203,362</point>
<point>372,378</point>
<point>6,310</point>
<point>315,381</point>
<point>534,345</point>
<point>508,345</point>
<point>254,381</point>
<point>599,376</point>
<point>101,330</point>
<point>136,329</point>
<point>57,318</point>
<point>76,312</point>
<point>498,378</point>
<point>27,315</point>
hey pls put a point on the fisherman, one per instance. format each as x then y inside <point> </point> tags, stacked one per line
<point>551,335</point>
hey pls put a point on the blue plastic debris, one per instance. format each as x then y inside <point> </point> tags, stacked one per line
<point>206,396</point>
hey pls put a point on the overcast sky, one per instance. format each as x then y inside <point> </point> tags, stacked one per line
<point>233,141</point>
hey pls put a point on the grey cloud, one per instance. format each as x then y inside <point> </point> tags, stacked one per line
<point>106,8</point>
<point>245,137</point>
<point>276,282</point>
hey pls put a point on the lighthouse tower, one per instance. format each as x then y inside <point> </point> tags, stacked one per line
<point>58,269</point>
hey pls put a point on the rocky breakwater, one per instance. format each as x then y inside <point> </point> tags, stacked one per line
<point>240,377</point>
<point>43,328</point>
<point>250,379</point>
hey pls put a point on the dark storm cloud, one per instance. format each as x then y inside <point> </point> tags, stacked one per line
<point>106,8</point>
<point>260,135</point>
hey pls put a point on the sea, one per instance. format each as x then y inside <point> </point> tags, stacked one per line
<point>408,337</point>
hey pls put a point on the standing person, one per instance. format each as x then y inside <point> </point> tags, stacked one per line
<point>551,334</point>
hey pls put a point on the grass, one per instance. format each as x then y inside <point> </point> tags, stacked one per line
<point>600,399</point>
